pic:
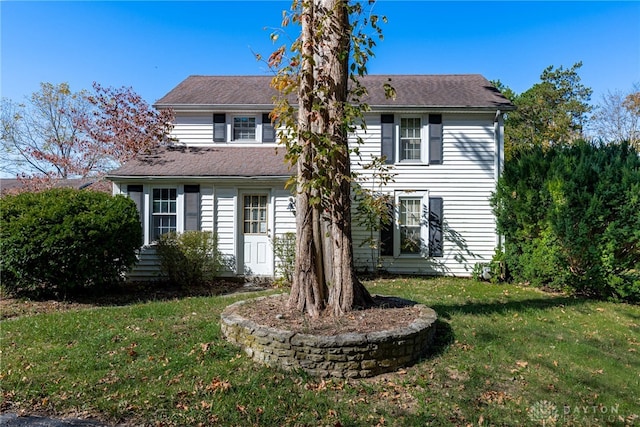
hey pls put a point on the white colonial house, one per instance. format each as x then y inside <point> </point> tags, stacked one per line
<point>442,135</point>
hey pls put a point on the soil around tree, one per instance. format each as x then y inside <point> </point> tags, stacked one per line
<point>387,313</point>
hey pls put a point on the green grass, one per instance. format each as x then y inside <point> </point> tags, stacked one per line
<point>503,355</point>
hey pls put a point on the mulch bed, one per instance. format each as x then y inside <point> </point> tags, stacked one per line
<point>388,313</point>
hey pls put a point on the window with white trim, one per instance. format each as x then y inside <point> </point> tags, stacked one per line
<point>171,209</point>
<point>417,228</point>
<point>244,128</point>
<point>164,211</point>
<point>409,222</point>
<point>410,139</point>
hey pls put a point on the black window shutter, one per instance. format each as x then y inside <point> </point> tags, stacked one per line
<point>268,131</point>
<point>191,207</point>
<point>386,234</point>
<point>435,139</point>
<point>219,128</point>
<point>388,141</point>
<point>436,244</point>
<point>136,193</point>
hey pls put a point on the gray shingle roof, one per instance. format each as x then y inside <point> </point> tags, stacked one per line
<point>207,162</point>
<point>430,91</point>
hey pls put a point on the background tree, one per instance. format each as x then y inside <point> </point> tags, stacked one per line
<point>326,59</point>
<point>122,124</point>
<point>42,137</point>
<point>552,112</point>
<point>617,117</point>
<point>59,134</point>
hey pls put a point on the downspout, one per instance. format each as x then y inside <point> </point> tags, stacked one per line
<point>498,132</point>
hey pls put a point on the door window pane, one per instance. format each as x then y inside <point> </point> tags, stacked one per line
<point>255,214</point>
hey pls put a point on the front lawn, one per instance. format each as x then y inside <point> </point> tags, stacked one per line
<point>504,355</point>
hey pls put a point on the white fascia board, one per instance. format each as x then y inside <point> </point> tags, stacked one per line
<point>215,107</point>
<point>122,178</point>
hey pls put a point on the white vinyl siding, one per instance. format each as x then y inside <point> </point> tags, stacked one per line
<point>465,181</point>
<point>197,129</point>
<point>225,222</point>
<point>194,129</point>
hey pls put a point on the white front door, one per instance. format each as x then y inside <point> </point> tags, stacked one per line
<point>258,255</point>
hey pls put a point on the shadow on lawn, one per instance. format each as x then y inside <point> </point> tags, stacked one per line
<point>124,294</point>
<point>498,307</point>
<point>443,338</point>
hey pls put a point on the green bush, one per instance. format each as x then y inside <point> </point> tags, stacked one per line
<point>63,240</point>
<point>571,218</point>
<point>190,258</point>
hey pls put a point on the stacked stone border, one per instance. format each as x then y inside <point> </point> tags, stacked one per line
<point>349,355</point>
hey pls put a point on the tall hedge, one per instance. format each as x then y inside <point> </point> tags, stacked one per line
<point>571,218</point>
<point>61,240</point>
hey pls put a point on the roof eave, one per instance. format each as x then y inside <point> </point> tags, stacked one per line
<point>443,108</point>
<point>194,177</point>
<point>213,107</point>
<point>373,107</point>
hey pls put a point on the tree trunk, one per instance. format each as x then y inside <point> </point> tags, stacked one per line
<point>322,94</point>
<point>308,290</point>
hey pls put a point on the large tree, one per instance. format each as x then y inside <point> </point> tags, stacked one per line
<point>42,137</point>
<point>59,134</point>
<point>551,112</point>
<point>322,72</point>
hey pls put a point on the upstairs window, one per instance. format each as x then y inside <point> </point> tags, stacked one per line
<point>410,138</point>
<point>419,139</point>
<point>244,128</point>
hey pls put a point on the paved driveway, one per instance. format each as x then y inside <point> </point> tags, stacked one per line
<point>13,420</point>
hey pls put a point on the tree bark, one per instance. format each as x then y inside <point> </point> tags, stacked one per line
<point>308,290</point>
<point>322,95</point>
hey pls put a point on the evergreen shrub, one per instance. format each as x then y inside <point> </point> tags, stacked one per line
<point>60,241</point>
<point>570,216</point>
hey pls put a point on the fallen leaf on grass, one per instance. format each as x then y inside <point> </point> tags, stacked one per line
<point>218,385</point>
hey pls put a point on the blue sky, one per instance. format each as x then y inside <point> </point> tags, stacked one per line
<point>153,45</point>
